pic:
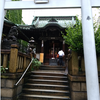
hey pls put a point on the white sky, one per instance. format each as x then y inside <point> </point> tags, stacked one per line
<point>28,15</point>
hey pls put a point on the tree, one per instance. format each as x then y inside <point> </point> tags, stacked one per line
<point>14,16</point>
<point>74,36</point>
<point>97,40</point>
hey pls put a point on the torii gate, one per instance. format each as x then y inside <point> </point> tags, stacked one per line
<point>87,26</point>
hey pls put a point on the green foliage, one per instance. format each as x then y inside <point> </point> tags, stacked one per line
<point>14,16</point>
<point>22,45</point>
<point>3,70</point>
<point>36,64</point>
<point>97,40</point>
<point>25,43</point>
<point>74,37</point>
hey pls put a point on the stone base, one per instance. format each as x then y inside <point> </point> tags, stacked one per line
<point>53,62</point>
<point>78,87</point>
<point>8,89</point>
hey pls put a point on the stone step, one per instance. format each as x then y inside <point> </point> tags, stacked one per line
<point>52,68</point>
<point>43,81</point>
<point>43,97</point>
<point>46,86</point>
<point>46,92</point>
<point>48,73</point>
<point>58,66</point>
<point>48,77</point>
<point>47,83</point>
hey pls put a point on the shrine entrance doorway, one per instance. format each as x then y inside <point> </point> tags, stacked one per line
<point>51,48</point>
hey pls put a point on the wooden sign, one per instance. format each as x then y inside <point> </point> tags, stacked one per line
<point>41,57</point>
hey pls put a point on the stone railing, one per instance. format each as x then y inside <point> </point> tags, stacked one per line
<point>14,60</point>
<point>98,64</point>
<point>5,57</point>
<point>76,64</point>
<point>76,76</point>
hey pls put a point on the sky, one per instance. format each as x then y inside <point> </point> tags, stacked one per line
<point>49,12</point>
<point>28,15</point>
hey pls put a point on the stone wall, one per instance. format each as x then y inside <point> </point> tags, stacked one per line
<point>78,87</point>
<point>8,89</point>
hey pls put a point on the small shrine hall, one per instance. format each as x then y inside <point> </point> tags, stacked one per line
<point>47,33</point>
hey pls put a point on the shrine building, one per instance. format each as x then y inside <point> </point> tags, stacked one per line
<point>47,34</point>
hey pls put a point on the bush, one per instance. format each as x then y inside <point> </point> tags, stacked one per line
<point>36,64</point>
<point>74,36</point>
<point>97,40</point>
<point>3,70</point>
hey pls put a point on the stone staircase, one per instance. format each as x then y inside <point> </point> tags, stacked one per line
<point>48,83</point>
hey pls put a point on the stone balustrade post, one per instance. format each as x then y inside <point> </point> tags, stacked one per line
<point>24,63</point>
<point>31,59</point>
<point>75,67</point>
<point>5,59</point>
<point>82,64</point>
<point>98,63</point>
<point>13,58</point>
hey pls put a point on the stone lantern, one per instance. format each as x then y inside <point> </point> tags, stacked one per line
<point>31,43</point>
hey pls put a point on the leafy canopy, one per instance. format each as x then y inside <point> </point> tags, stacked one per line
<point>97,40</point>
<point>14,16</point>
<point>74,37</point>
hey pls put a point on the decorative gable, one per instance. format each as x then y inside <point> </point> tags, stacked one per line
<point>52,20</point>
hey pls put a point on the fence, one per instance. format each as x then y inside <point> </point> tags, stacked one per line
<point>76,64</point>
<point>14,60</point>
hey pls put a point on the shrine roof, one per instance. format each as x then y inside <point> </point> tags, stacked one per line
<point>43,21</point>
<point>40,23</point>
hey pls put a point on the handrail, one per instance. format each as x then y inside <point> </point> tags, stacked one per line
<point>24,73</point>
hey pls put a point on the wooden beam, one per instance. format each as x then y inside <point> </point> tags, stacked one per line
<point>52,4</point>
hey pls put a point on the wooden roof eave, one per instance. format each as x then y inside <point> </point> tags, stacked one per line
<point>8,24</point>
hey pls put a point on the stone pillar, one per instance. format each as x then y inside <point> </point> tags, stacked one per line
<point>98,63</point>
<point>89,52</point>
<point>5,60</point>
<point>8,89</point>
<point>82,64</point>
<point>24,64</point>
<point>13,58</point>
<point>74,63</point>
